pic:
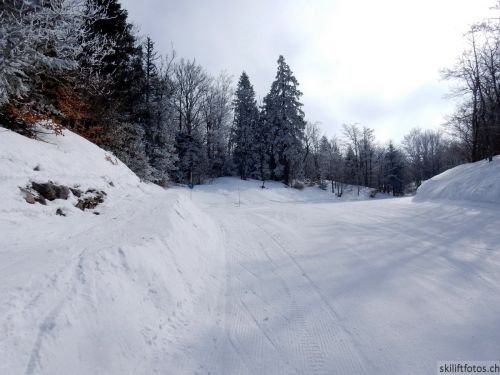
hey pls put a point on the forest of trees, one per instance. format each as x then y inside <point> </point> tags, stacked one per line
<point>476,121</point>
<point>79,64</point>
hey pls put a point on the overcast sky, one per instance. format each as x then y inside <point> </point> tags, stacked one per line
<point>371,62</point>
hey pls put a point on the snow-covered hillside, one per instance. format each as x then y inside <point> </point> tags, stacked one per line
<point>230,278</point>
<point>477,182</point>
<point>129,291</point>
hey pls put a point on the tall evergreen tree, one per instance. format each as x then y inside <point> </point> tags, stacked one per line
<point>118,111</point>
<point>350,166</point>
<point>325,162</point>
<point>114,29</point>
<point>261,148</point>
<point>150,57</point>
<point>244,125</point>
<point>394,170</point>
<point>284,116</point>
<point>157,108</point>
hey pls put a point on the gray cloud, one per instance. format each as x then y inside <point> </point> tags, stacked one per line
<point>356,62</point>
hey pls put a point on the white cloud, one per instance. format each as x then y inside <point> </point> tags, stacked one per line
<point>373,62</point>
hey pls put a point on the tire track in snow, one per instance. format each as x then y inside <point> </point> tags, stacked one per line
<point>309,348</point>
<point>307,341</point>
<point>231,345</point>
<point>255,347</point>
<point>339,337</point>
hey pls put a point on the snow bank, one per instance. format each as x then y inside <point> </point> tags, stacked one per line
<point>478,182</point>
<point>69,160</point>
<point>135,289</point>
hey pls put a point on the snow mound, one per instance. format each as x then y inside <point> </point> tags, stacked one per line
<point>479,182</point>
<point>68,160</point>
<point>135,289</point>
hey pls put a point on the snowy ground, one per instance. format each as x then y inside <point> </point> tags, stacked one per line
<point>375,287</point>
<point>233,279</point>
<point>123,292</point>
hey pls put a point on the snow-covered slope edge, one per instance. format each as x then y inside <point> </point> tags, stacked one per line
<point>479,182</point>
<point>135,289</point>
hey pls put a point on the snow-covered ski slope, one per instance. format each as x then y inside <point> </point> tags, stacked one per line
<point>234,279</point>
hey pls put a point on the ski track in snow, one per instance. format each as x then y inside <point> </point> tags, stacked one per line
<point>281,317</point>
<point>288,342</point>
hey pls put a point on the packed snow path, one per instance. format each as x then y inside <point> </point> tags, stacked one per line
<point>373,287</point>
<point>270,325</point>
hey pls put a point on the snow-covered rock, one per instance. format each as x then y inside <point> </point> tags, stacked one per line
<point>479,182</point>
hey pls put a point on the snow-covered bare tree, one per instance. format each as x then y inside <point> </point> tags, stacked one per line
<point>216,115</point>
<point>476,121</point>
<point>337,168</point>
<point>325,162</point>
<point>366,153</point>
<point>426,151</point>
<point>361,153</point>
<point>353,136</point>
<point>311,150</point>
<point>191,87</point>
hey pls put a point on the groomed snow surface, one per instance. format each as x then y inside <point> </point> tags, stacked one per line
<point>234,279</point>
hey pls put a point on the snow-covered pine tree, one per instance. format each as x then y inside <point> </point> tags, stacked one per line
<point>192,163</point>
<point>150,58</point>
<point>119,111</point>
<point>39,47</point>
<point>325,161</point>
<point>284,116</point>
<point>114,30</point>
<point>261,148</point>
<point>158,89</point>
<point>128,140</point>
<point>350,175</point>
<point>245,120</point>
<point>394,169</point>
